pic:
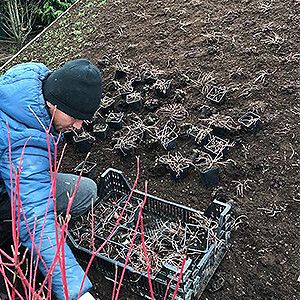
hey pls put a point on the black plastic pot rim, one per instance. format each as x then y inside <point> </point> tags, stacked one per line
<point>169,141</point>
<point>88,167</point>
<point>212,168</point>
<point>133,102</point>
<point>114,119</point>
<point>99,128</point>
<point>114,122</point>
<point>80,140</point>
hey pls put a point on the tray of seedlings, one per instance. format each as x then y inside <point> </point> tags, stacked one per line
<point>168,246</point>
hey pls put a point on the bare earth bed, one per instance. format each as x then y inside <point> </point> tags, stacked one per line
<point>252,49</point>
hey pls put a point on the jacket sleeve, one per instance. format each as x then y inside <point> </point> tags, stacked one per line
<point>35,184</point>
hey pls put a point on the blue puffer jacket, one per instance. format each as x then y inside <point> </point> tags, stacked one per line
<point>21,88</point>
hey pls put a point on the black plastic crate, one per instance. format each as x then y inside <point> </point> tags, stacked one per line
<point>161,218</point>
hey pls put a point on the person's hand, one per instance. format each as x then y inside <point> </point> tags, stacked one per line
<point>87,296</point>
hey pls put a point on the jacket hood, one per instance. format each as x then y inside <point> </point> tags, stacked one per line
<point>21,93</point>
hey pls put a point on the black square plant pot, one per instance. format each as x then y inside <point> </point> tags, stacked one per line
<point>136,106</point>
<point>107,104</point>
<point>148,78</point>
<point>134,101</point>
<point>84,143</point>
<point>250,122</point>
<point>88,124</point>
<point>119,74</point>
<point>170,143</point>
<point>125,89</point>
<point>220,131</point>
<point>162,88</point>
<point>124,94</point>
<point>136,82</point>
<point>210,177</point>
<point>221,150</point>
<point>100,131</point>
<point>200,136</point>
<point>68,136</point>
<point>88,169</point>
<point>115,120</point>
<point>217,95</point>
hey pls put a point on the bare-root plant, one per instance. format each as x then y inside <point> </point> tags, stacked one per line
<point>204,161</point>
<point>206,80</point>
<point>125,88</point>
<point>217,147</point>
<point>167,133</point>
<point>106,102</point>
<point>162,86</point>
<point>126,143</point>
<point>176,162</point>
<point>175,112</point>
<point>198,132</point>
<point>242,186</point>
<point>273,39</point>
<point>132,135</point>
<point>149,74</point>
<point>221,121</point>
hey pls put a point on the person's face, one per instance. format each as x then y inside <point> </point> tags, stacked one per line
<point>63,122</point>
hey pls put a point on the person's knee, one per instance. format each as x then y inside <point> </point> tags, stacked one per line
<point>85,195</point>
<point>90,188</point>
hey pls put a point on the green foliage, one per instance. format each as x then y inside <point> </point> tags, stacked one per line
<point>17,19</point>
<point>51,9</point>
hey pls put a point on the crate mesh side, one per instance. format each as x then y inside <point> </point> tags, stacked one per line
<point>113,181</point>
<point>167,209</point>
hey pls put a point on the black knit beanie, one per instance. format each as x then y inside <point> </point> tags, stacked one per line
<point>75,88</point>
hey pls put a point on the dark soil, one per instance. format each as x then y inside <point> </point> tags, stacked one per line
<point>251,48</point>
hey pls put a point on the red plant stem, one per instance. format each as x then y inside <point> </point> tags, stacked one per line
<point>16,229</point>
<point>13,195</point>
<point>47,131</point>
<point>16,212</point>
<point>62,229</point>
<point>132,241</point>
<point>168,286</point>
<point>63,267</point>
<point>179,278</point>
<point>53,265</point>
<point>114,228</point>
<point>115,283</point>
<point>58,228</point>
<point>31,260</point>
<point>146,258</point>
<point>8,283</point>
